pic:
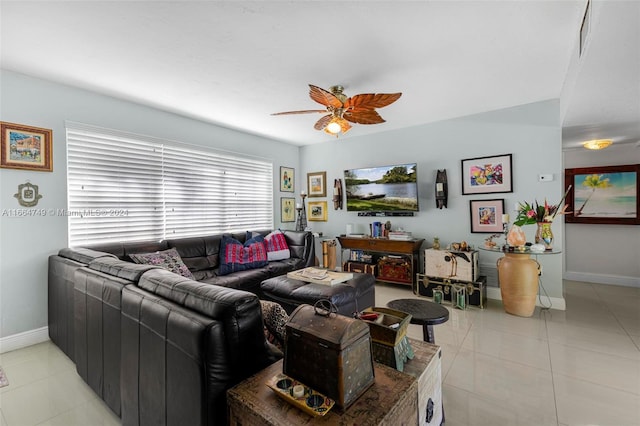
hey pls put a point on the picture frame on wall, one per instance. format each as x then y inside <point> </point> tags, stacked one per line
<point>603,195</point>
<point>26,147</point>
<point>487,175</point>
<point>318,211</point>
<point>486,216</point>
<point>287,179</point>
<point>317,184</point>
<point>287,209</point>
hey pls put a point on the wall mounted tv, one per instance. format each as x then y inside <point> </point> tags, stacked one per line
<point>382,189</point>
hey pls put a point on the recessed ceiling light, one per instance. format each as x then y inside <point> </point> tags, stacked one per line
<point>597,143</point>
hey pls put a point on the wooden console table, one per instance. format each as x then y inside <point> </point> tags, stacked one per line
<point>397,260</point>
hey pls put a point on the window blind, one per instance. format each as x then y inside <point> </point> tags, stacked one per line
<point>124,187</point>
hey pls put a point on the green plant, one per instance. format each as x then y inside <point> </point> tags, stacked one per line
<point>529,214</point>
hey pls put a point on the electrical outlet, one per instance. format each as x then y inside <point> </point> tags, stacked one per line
<point>540,270</point>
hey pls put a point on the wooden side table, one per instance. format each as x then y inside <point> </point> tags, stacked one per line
<point>392,399</point>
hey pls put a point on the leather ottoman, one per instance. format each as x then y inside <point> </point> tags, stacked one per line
<point>350,296</point>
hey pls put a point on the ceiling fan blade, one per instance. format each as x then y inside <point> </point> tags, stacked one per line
<point>367,116</point>
<point>322,123</point>
<point>324,97</point>
<point>371,100</point>
<point>306,111</point>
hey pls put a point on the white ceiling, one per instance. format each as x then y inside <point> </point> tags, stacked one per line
<point>234,63</point>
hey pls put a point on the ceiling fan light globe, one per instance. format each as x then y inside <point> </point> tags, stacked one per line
<point>333,128</point>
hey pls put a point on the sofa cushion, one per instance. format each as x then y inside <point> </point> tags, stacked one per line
<point>168,259</point>
<point>235,256</point>
<point>277,248</point>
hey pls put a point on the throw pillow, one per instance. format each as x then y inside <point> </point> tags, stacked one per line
<point>277,248</point>
<point>236,256</point>
<point>168,259</point>
<point>275,320</point>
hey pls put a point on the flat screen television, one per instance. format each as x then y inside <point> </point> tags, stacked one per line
<point>382,189</point>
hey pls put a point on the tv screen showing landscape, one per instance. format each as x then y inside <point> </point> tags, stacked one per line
<point>382,189</point>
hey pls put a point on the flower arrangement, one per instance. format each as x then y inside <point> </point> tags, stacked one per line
<point>529,214</point>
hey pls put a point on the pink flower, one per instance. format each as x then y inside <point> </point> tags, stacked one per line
<point>531,213</point>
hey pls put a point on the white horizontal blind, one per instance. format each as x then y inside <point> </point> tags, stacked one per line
<point>131,188</point>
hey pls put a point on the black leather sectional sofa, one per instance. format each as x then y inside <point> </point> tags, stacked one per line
<point>159,348</point>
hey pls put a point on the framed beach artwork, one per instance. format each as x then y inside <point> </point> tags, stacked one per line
<point>486,216</point>
<point>485,175</point>
<point>318,211</point>
<point>604,195</point>
<point>25,147</point>
<point>317,184</point>
<point>287,183</point>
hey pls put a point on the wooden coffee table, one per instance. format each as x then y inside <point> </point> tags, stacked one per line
<point>392,399</point>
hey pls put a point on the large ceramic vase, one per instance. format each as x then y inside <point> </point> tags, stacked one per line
<point>544,235</point>
<point>518,275</point>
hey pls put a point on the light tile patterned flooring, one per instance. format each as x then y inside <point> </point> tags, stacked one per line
<point>575,367</point>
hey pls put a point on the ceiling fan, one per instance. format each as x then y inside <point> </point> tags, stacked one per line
<point>359,109</point>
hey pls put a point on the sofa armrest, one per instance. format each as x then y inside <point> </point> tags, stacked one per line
<point>301,245</point>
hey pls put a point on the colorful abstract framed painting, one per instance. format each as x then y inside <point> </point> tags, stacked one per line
<point>318,211</point>
<point>287,183</point>
<point>317,184</point>
<point>486,175</point>
<point>26,147</point>
<point>287,209</point>
<point>486,216</point>
<point>603,195</point>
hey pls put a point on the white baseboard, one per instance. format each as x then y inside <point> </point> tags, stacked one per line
<point>602,279</point>
<point>555,302</point>
<point>22,340</point>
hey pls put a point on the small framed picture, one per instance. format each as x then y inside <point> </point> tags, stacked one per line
<point>486,216</point>
<point>318,211</point>
<point>317,184</point>
<point>26,147</point>
<point>287,209</point>
<point>486,175</point>
<point>287,183</point>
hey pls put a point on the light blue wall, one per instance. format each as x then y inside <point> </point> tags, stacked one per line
<point>26,242</point>
<point>531,133</point>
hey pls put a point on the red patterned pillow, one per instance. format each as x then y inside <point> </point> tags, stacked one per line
<point>235,256</point>
<point>277,248</point>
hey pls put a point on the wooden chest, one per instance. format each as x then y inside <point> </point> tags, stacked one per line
<point>330,353</point>
<point>476,292</point>
<point>426,367</point>
<point>457,265</point>
<point>362,267</point>
<point>395,269</point>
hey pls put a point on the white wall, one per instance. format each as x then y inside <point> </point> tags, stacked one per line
<point>531,133</point>
<point>605,254</point>
<point>26,242</point>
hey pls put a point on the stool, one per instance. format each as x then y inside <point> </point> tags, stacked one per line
<point>424,313</point>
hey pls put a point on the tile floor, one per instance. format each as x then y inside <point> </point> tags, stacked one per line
<point>575,367</point>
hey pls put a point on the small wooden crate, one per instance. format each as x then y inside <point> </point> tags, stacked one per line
<point>361,267</point>
<point>390,345</point>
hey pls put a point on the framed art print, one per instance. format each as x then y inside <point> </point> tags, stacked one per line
<point>26,147</point>
<point>604,195</point>
<point>287,183</point>
<point>486,175</point>
<point>486,216</point>
<point>318,211</point>
<point>287,209</point>
<point>317,184</point>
